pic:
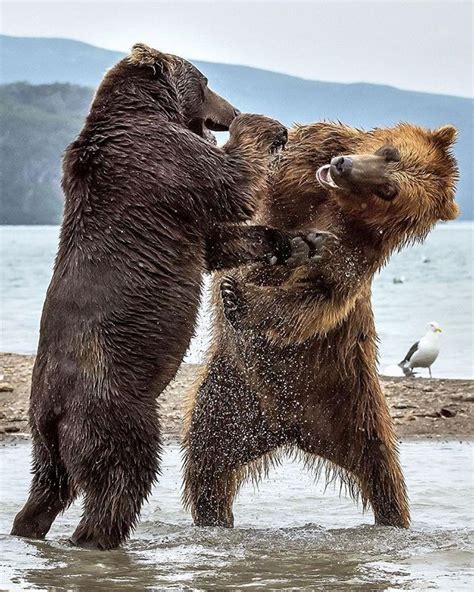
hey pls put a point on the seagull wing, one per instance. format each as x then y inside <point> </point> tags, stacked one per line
<point>411,351</point>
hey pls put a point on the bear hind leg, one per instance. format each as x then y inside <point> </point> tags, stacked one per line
<point>51,492</point>
<point>227,431</point>
<point>116,476</point>
<point>109,518</point>
<point>369,461</point>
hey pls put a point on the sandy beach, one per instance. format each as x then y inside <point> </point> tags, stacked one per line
<point>421,408</point>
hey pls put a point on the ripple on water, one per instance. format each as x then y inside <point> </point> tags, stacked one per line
<point>289,534</point>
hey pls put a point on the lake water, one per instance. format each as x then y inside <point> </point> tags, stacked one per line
<point>429,282</point>
<point>289,534</point>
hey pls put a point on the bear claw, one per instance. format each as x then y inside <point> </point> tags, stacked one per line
<point>233,301</point>
<point>308,247</point>
<point>280,142</point>
<point>299,251</point>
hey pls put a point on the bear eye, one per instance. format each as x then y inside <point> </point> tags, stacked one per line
<point>390,153</point>
<point>387,192</point>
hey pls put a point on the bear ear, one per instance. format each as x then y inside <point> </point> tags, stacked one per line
<point>143,55</point>
<point>451,212</point>
<point>445,135</point>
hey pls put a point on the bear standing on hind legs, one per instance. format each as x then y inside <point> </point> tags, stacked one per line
<point>293,359</point>
<point>146,200</point>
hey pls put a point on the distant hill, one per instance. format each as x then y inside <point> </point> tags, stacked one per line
<point>36,124</point>
<point>46,61</point>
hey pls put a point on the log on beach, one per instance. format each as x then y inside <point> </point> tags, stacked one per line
<point>421,408</point>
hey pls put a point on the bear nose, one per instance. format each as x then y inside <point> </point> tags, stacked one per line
<point>342,164</point>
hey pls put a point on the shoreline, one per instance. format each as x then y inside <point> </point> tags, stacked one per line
<point>422,408</point>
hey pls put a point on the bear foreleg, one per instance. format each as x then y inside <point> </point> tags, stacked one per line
<point>229,246</point>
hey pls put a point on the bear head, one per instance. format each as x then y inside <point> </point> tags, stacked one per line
<point>401,177</point>
<point>169,85</point>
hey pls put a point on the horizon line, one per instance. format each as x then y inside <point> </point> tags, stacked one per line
<point>240,65</point>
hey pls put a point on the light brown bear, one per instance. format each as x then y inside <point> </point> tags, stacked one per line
<point>293,359</point>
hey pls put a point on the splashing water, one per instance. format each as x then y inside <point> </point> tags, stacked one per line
<point>289,534</point>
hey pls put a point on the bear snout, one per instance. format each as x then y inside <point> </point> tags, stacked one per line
<point>341,165</point>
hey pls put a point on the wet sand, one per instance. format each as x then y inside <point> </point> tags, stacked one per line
<point>421,408</point>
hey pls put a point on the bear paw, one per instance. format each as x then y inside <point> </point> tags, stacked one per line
<point>300,248</point>
<point>268,135</point>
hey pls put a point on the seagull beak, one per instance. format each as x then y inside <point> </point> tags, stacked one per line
<point>438,330</point>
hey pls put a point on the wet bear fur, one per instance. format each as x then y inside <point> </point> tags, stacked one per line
<point>149,203</point>
<point>293,362</point>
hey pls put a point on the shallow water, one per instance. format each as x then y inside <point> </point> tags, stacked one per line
<point>434,284</point>
<point>289,534</point>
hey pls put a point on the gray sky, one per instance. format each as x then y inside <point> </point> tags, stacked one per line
<point>419,45</point>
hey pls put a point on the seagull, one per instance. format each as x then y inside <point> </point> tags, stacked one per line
<point>423,353</point>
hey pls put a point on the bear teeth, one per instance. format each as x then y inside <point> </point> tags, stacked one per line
<point>324,178</point>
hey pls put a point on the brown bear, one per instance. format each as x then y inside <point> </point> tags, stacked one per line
<point>293,359</point>
<point>147,211</point>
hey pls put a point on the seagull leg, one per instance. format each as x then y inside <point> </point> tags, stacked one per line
<point>429,370</point>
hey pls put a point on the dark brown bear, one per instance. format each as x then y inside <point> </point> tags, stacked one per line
<point>147,203</point>
<point>293,361</point>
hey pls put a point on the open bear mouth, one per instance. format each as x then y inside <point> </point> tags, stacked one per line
<point>215,126</point>
<point>324,177</point>
<point>204,128</point>
<point>385,191</point>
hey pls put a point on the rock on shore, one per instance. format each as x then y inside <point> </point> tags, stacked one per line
<point>427,408</point>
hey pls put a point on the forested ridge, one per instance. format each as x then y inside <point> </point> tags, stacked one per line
<point>37,122</point>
